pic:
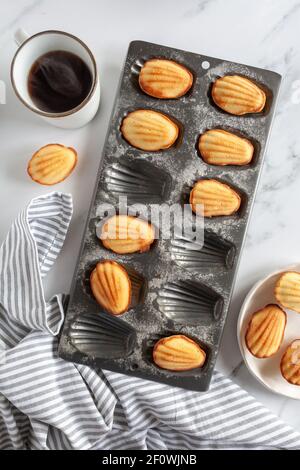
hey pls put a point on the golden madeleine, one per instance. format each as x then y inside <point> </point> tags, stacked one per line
<point>114,288</point>
<point>52,164</point>
<point>111,287</point>
<point>127,234</point>
<point>149,130</point>
<point>212,198</point>
<point>287,290</point>
<point>219,147</point>
<point>178,353</point>
<point>290,363</point>
<point>265,331</point>
<point>165,79</point>
<point>238,95</point>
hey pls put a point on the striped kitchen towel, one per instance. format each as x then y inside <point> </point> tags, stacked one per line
<point>47,403</point>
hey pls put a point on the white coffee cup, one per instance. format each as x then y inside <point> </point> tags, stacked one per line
<point>30,49</point>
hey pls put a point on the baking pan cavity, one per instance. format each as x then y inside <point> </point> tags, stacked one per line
<point>138,181</point>
<point>103,336</point>
<point>212,252</point>
<point>190,303</point>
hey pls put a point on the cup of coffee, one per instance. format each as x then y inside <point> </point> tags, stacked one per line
<point>55,75</point>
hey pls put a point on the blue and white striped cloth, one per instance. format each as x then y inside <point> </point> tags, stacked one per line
<point>47,403</point>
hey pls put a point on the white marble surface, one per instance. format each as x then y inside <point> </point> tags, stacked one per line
<point>264,33</point>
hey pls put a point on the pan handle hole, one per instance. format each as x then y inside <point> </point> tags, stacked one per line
<point>205,65</point>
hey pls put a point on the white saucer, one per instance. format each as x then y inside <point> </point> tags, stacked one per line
<point>267,371</point>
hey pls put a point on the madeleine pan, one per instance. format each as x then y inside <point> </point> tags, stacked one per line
<point>188,288</point>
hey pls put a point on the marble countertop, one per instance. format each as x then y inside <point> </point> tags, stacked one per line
<point>259,33</point>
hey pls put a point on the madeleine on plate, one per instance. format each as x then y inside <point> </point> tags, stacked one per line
<point>149,130</point>
<point>212,198</point>
<point>52,164</point>
<point>265,331</point>
<point>178,353</point>
<point>290,363</point>
<point>219,147</point>
<point>127,234</point>
<point>115,288</point>
<point>287,290</point>
<point>238,95</point>
<point>165,79</point>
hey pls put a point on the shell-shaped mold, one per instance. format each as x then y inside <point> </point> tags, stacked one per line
<point>165,79</point>
<point>287,290</point>
<point>102,336</point>
<point>178,353</point>
<point>265,331</point>
<point>190,302</point>
<point>214,252</point>
<point>149,130</point>
<point>238,95</point>
<point>290,363</point>
<point>138,181</point>
<point>219,147</point>
<point>212,198</point>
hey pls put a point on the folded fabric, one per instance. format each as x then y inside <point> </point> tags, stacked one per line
<point>47,403</point>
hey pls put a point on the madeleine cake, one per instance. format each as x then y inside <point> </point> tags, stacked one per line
<point>149,130</point>
<point>290,363</point>
<point>178,353</point>
<point>212,198</point>
<point>219,147</point>
<point>114,288</point>
<point>127,234</point>
<point>238,95</point>
<point>265,331</point>
<point>52,164</point>
<point>165,79</point>
<point>287,290</point>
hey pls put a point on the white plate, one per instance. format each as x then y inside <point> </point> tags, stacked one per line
<point>267,371</point>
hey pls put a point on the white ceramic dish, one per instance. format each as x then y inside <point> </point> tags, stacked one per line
<point>267,371</point>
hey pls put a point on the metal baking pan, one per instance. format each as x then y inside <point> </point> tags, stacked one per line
<point>188,291</point>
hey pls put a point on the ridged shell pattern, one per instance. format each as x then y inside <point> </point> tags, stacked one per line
<point>178,353</point>
<point>219,147</point>
<point>265,331</point>
<point>290,363</point>
<point>287,290</point>
<point>165,79</point>
<point>111,286</point>
<point>238,95</point>
<point>149,130</point>
<point>52,164</point>
<point>213,198</point>
<point>126,234</point>
<point>102,336</point>
<point>138,181</point>
<point>189,302</point>
<point>214,252</point>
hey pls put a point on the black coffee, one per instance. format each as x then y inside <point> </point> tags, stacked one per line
<point>59,81</point>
